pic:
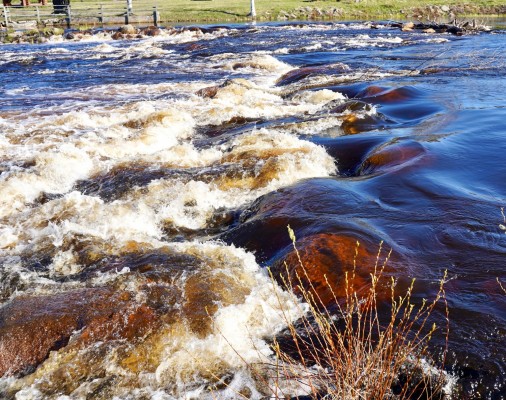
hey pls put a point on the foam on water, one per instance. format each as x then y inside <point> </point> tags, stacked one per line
<point>43,215</point>
<point>178,356</point>
<point>121,172</point>
<point>47,154</point>
<point>366,41</point>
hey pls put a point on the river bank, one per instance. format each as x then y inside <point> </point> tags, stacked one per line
<point>92,14</point>
<point>131,32</point>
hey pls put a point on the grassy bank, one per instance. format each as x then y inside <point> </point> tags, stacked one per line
<point>238,10</point>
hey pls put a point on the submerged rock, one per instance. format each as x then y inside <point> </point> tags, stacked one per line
<point>301,73</point>
<point>388,156</point>
<point>32,326</point>
<point>168,291</point>
<point>326,262</point>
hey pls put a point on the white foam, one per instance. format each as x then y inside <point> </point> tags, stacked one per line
<point>58,50</point>
<point>239,329</point>
<point>54,172</point>
<point>119,126</point>
<point>236,340</point>
<point>104,48</point>
<point>368,41</point>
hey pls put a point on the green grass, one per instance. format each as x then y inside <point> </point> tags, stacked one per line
<point>238,10</point>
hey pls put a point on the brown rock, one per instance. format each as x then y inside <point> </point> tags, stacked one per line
<point>298,74</point>
<point>129,323</point>
<point>390,156</point>
<point>371,91</point>
<point>208,92</point>
<point>380,95</point>
<point>325,260</point>
<point>128,30</point>
<point>204,292</point>
<point>31,327</point>
<point>117,36</point>
<point>151,31</point>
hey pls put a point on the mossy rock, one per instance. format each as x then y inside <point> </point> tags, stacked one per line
<point>32,32</point>
<point>13,35</point>
<point>53,31</point>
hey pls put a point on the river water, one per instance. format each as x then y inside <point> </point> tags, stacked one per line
<point>147,183</point>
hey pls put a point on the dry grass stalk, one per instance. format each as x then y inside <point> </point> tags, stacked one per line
<point>501,285</point>
<point>355,353</point>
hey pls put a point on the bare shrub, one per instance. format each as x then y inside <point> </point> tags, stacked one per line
<point>356,352</point>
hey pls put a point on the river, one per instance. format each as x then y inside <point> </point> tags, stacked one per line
<point>146,184</point>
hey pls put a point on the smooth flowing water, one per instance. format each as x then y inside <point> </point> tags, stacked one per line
<point>147,183</point>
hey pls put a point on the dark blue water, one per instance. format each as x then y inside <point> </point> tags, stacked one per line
<point>425,172</point>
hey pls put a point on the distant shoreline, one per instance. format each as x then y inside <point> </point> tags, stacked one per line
<point>93,13</point>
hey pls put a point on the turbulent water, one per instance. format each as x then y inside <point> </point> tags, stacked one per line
<point>146,183</point>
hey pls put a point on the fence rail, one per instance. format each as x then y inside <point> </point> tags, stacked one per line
<point>78,14</point>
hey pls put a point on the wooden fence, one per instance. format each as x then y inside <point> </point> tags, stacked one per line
<point>78,14</point>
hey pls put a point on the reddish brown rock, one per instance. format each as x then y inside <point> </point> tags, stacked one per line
<point>31,327</point>
<point>325,260</point>
<point>298,74</point>
<point>208,92</point>
<point>371,91</point>
<point>384,95</point>
<point>391,156</point>
<point>191,29</point>
<point>151,31</point>
<point>117,36</point>
<point>129,323</point>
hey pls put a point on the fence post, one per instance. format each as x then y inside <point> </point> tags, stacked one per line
<point>38,14</point>
<point>101,15</point>
<point>6,16</point>
<point>253,12</point>
<point>156,16</point>
<point>127,16</point>
<point>69,17</point>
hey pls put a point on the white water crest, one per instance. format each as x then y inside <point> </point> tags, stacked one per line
<point>122,182</point>
<point>105,134</point>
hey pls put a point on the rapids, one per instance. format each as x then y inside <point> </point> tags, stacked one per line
<point>145,185</point>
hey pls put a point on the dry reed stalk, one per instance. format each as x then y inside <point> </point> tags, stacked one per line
<point>501,285</point>
<point>354,354</point>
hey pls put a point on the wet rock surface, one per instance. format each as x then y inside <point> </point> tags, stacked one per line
<point>32,326</point>
<point>262,227</point>
<point>302,73</point>
<point>385,158</point>
<point>173,289</point>
<point>327,264</point>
